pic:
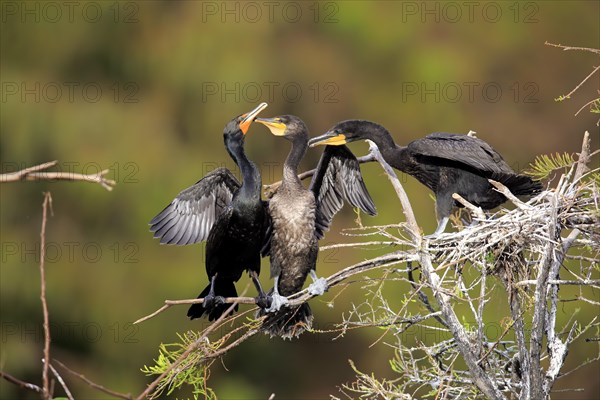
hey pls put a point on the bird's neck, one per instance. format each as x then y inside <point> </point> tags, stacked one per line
<point>290,167</point>
<point>251,184</point>
<point>382,139</point>
<point>386,145</point>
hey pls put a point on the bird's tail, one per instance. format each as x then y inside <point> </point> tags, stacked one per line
<point>288,322</point>
<point>521,185</point>
<point>224,288</point>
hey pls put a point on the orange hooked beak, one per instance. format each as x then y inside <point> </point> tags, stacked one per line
<point>250,116</point>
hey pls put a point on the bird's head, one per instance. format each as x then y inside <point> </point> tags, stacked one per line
<point>239,126</point>
<point>288,126</point>
<point>342,133</point>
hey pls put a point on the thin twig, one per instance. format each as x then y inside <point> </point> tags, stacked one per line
<point>566,48</point>
<point>62,382</point>
<point>170,303</point>
<point>46,383</point>
<point>568,96</point>
<point>303,295</point>
<point>20,383</point>
<point>34,174</point>
<point>92,384</point>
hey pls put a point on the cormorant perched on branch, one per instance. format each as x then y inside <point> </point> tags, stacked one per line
<point>230,216</point>
<point>299,218</point>
<point>444,162</point>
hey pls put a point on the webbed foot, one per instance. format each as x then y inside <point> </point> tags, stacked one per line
<point>318,287</point>
<point>277,301</point>
<point>212,301</point>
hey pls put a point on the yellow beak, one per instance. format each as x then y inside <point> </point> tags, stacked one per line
<point>337,139</point>
<point>276,127</point>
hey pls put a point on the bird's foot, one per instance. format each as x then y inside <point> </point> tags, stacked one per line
<point>318,287</point>
<point>277,301</point>
<point>212,301</point>
<point>264,301</point>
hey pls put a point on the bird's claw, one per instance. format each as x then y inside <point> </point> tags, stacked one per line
<point>277,301</point>
<point>318,287</point>
<point>264,301</point>
<point>212,301</point>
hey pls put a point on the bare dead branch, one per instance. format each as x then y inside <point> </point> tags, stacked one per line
<point>20,383</point>
<point>46,385</point>
<point>586,282</point>
<point>477,211</point>
<point>406,207</point>
<point>302,296</point>
<point>481,379</point>
<point>507,193</point>
<point>584,157</point>
<point>34,174</point>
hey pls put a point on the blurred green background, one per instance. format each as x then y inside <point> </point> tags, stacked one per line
<point>146,88</point>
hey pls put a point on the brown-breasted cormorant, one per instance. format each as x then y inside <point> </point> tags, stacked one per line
<point>444,162</point>
<point>299,217</point>
<point>230,216</point>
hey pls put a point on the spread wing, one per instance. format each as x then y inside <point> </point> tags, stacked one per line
<point>336,180</point>
<point>191,215</point>
<point>470,151</point>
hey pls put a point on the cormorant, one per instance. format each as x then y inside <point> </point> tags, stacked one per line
<point>446,163</point>
<point>300,217</point>
<point>230,216</point>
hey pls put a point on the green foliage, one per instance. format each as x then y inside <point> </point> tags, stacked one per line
<point>544,165</point>
<point>193,371</point>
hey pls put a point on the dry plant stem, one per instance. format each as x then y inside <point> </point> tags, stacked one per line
<point>34,174</point>
<point>92,384</point>
<point>46,383</point>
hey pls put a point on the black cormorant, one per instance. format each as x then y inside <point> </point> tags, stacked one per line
<point>444,162</point>
<point>230,216</point>
<point>299,218</point>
